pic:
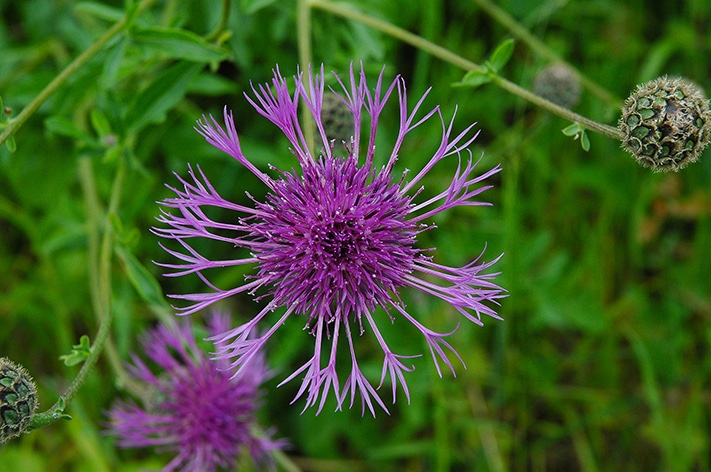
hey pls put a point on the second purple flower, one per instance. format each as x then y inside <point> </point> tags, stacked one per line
<point>336,242</point>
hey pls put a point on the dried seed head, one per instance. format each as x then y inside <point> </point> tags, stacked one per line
<point>666,123</point>
<point>18,400</point>
<point>558,84</point>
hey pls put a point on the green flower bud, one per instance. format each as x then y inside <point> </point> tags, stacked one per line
<point>18,400</point>
<point>337,119</point>
<point>666,123</point>
<point>559,84</point>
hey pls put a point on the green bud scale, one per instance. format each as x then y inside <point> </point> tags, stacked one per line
<point>666,124</point>
<point>18,399</point>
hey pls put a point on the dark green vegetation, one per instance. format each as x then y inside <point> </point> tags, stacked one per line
<point>602,361</point>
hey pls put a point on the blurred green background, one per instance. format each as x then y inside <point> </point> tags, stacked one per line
<point>602,361</point>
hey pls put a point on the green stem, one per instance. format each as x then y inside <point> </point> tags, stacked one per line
<point>104,297</point>
<point>448,56</point>
<point>14,124</point>
<point>303,35</point>
<point>540,48</point>
<point>224,20</point>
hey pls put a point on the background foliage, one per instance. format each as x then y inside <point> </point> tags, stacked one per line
<point>602,361</point>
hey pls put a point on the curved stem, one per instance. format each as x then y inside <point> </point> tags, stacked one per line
<point>104,297</point>
<point>448,56</point>
<point>14,124</point>
<point>540,48</point>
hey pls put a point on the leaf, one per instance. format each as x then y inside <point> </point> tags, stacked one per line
<point>152,104</point>
<point>98,10</point>
<point>63,126</point>
<point>100,122</point>
<point>572,130</point>
<point>142,280</point>
<point>584,141</point>
<point>252,6</point>
<point>10,143</point>
<point>80,352</point>
<point>501,55</point>
<point>179,43</point>
<point>474,78</point>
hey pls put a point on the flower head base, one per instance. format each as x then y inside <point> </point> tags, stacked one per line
<point>666,124</point>
<point>193,407</point>
<point>18,400</point>
<point>336,241</point>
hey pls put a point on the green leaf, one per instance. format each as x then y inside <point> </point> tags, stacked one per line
<point>252,6</point>
<point>501,55</point>
<point>142,280</point>
<point>179,44</point>
<point>152,104</point>
<point>80,352</point>
<point>572,130</point>
<point>584,141</point>
<point>10,143</point>
<point>100,122</point>
<point>474,78</point>
<point>63,126</point>
<point>98,10</point>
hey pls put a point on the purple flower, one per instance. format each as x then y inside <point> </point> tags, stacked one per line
<point>193,407</point>
<point>336,241</point>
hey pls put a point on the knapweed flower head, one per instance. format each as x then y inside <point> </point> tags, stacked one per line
<point>666,123</point>
<point>335,242</point>
<point>18,399</point>
<point>192,406</point>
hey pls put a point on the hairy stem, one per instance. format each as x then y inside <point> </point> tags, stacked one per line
<point>454,59</point>
<point>540,48</point>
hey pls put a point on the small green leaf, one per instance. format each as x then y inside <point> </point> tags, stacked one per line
<point>572,130</point>
<point>474,78</point>
<point>63,126</point>
<point>179,44</point>
<point>142,280</point>
<point>501,55</point>
<point>100,122</point>
<point>152,104</point>
<point>80,352</point>
<point>98,10</point>
<point>252,6</point>
<point>10,143</point>
<point>59,411</point>
<point>584,141</point>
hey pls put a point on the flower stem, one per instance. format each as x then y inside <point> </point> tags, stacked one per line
<point>14,124</point>
<point>303,34</point>
<point>103,287</point>
<point>454,59</point>
<point>540,48</point>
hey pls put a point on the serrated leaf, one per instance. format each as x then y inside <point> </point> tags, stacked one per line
<point>474,78</point>
<point>179,44</point>
<point>80,352</point>
<point>142,280</point>
<point>152,104</point>
<point>501,55</point>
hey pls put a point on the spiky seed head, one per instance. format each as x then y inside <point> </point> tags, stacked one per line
<point>18,400</point>
<point>666,123</point>
<point>558,84</point>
